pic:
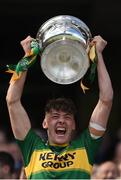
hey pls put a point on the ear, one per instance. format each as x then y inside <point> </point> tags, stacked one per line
<point>44,124</point>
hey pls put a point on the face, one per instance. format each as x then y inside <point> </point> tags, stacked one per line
<point>59,127</point>
<point>108,170</point>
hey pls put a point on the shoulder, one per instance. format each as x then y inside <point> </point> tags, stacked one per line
<point>85,138</point>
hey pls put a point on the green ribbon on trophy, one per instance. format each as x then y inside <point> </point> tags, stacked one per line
<point>24,63</point>
<point>93,58</point>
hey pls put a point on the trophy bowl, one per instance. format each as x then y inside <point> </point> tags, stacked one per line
<point>64,41</point>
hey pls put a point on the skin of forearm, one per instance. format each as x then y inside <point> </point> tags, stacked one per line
<point>102,110</point>
<point>20,122</point>
<point>105,86</point>
<point>15,89</point>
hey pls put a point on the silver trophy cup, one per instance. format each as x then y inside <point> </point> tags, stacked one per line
<point>64,41</point>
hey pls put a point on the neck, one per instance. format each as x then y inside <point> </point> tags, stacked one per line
<point>59,145</point>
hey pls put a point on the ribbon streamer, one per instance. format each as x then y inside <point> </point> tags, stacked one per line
<point>24,63</point>
<point>93,58</point>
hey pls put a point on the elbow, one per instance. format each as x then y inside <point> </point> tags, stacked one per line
<point>107,97</point>
<point>11,100</point>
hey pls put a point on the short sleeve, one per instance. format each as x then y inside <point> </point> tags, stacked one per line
<point>28,145</point>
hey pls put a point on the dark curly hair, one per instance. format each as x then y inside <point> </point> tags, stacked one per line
<point>61,104</point>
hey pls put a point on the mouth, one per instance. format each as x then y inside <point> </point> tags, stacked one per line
<point>60,131</point>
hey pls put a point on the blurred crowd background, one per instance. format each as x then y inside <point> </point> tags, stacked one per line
<point>22,18</point>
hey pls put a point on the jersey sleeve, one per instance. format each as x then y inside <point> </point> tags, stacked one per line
<point>28,145</point>
<point>91,145</point>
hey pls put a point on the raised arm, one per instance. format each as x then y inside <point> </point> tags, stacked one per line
<point>19,119</point>
<point>100,115</point>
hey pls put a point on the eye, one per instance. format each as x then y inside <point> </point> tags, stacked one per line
<point>68,117</point>
<point>55,116</point>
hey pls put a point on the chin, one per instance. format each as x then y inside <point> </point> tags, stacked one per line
<point>61,141</point>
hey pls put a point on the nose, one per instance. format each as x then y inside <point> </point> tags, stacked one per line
<point>61,120</point>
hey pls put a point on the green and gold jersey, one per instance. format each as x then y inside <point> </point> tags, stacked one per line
<point>74,161</point>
